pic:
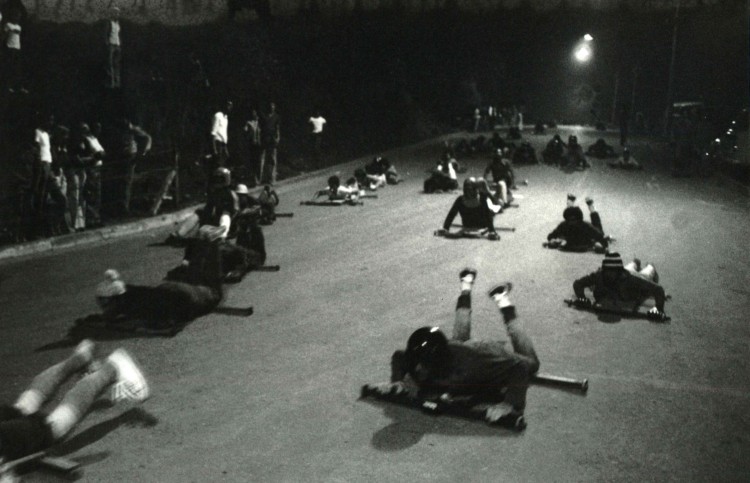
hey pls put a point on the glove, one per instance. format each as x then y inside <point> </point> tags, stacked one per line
<point>441,232</point>
<point>583,302</point>
<point>493,236</point>
<point>657,315</point>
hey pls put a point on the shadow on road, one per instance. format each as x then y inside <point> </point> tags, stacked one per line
<point>134,417</point>
<point>410,425</point>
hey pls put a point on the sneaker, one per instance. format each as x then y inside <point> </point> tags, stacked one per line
<point>85,348</point>
<point>513,421</point>
<point>504,288</point>
<point>468,271</point>
<point>131,384</point>
<point>589,200</point>
<point>571,198</point>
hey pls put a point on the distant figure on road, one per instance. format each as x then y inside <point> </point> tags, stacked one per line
<point>574,157</point>
<point>618,286</point>
<point>497,374</point>
<point>626,161</point>
<point>443,177</point>
<point>503,176</point>
<point>600,149</point>
<point>350,192</point>
<point>576,235</point>
<point>166,307</point>
<point>554,151</point>
<point>25,429</point>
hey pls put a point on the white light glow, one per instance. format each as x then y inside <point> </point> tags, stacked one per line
<point>588,38</point>
<point>583,53</point>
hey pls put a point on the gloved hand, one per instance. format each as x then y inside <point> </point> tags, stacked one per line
<point>657,315</point>
<point>493,236</point>
<point>441,232</point>
<point>583,302</point>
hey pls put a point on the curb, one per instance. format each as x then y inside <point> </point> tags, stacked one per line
<point>113,232</point>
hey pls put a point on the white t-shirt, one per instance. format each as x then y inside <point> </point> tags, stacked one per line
<point>44,150</point>
<point>220,127</point>
<point>114,32</point>
<point>317,123</point>
<point>13,36</point>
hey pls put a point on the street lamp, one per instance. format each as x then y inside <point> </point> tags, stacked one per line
<point>583,51</point>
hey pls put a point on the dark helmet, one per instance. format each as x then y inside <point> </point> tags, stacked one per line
<point>427,345</point>
<point>221,177</point>
<point>334,182</point>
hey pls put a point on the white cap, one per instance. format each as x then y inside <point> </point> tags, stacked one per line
<point>241,189</point>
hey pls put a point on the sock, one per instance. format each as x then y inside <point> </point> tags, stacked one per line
<point>467,283</point>
<point>78,400</point>
<point>46,383</point>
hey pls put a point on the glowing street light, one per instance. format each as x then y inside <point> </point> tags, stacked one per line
<point>584,51</point>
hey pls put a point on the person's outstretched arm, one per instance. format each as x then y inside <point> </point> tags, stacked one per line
<point>452,214</point>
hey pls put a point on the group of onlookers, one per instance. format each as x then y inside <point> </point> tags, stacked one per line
<point>69,181</point>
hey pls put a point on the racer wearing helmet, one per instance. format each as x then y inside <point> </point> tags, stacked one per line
<point>474,207</point>
<point>496,373</point>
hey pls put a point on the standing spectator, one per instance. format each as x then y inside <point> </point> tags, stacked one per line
<point>317,122</point>
<point>56,210</point>
<point>270,131</point>
<point>42,163</point>
<point>13,68</point>
<point>477,120</point>
<point>114,51</point>
<point>75,175</point>
<point>220,135</point>
<point>134,142</point>
<point>254,167</point>
<point>89,153</point>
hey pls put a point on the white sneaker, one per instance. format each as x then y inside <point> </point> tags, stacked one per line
<point>131,384</point>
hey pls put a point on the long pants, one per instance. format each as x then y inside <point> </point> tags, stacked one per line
<point>92,191</point>
<point>24,429</point>
<point>270,152</point>
<point>40,179</point>
<point>76,202</point>
<point>254,166</point>
<point>114,63</point>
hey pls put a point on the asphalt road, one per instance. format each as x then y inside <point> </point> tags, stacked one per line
<point>273,397</point>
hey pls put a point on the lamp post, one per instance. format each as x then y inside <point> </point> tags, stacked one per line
<point>670,85</point>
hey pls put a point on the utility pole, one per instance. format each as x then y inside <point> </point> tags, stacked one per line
<point>636,71</point>
<point>614,96</point>
<point>670,85</point>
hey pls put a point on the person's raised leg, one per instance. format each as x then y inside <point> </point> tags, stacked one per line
<point>521,342</point>
<point>119,371</point>
<point>44,385</point>
<point>462,323</point>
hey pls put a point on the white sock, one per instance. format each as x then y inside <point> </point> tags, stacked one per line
<point>467,283</point>
<point>62,420</point>
<point>502,300</point>
<point>29,402</point>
